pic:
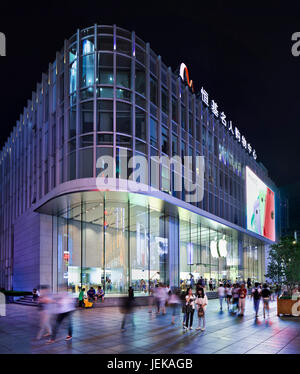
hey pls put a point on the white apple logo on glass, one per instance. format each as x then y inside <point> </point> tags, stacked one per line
<point>223,247</point>
<point>218,250</point>
<point>214,248</point>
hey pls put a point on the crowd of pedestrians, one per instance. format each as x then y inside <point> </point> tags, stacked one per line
<point>193,301</point>
<point>236,295</point>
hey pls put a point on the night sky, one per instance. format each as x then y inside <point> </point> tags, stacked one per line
<point>241,55</point>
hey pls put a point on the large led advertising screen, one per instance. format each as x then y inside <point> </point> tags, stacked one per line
<point>260,206</point>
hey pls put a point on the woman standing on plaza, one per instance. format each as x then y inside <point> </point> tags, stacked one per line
<point>201,302</point>
<point>190,308</point>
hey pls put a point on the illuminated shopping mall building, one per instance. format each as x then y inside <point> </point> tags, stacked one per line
<point>106,92</point>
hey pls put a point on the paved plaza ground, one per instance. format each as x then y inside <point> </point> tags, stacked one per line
<point>98,331</point>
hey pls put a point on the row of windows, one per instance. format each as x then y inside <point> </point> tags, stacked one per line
<point>208,139</point>
<point>104,123</point>
<point>106,30</point>
<point>211,203</point>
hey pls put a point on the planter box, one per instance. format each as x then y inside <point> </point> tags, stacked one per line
<point>284,306</point>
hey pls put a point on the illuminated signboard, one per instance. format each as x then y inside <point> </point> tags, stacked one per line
<point>235,132</point>
<point>260,206</point>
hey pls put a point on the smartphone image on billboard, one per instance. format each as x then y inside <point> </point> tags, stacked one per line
<point>269,223</point>
<point>256,218</point>
<point>260,206</point>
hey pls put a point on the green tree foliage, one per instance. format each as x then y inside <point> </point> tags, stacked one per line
<point>284,261</point>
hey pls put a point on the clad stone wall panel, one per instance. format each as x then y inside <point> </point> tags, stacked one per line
<point>26,252</point>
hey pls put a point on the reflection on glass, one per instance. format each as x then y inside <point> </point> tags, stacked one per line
<point>123,71</point>
<point>87,47</point>
<point>73,77</point>
<point>105,73</point>
<point>124,118</point>
<point>123,94</point>
<point>87,76</point>
<point>87,117</point>
<point>105,115</point>
<point>105,92</point>
<point>140,124</point>
<point>118,241</point>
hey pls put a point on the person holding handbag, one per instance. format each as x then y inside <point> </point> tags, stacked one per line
<point>201,302</point>
<point>190,308</point>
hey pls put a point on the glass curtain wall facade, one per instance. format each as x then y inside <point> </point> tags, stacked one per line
<point>119,241</point>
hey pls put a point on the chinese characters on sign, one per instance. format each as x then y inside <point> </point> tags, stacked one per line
<point>214,108</point>
<point>228,124</point>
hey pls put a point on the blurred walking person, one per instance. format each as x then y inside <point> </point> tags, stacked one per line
<point>201,302</point>
<point>190,309</point>
<point>228,295</point>
<point>235,299</point>
<point>174,302</point>
<point>156,294</point>
<point>151,298</point>
<point>256,294</point>
<point>127,310</point>
<point>266,294</point>
<point>163,297</point>
<point>45,303</point>
<point>65,306</point>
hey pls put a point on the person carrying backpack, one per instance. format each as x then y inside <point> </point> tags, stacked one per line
<point>256,294</point>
